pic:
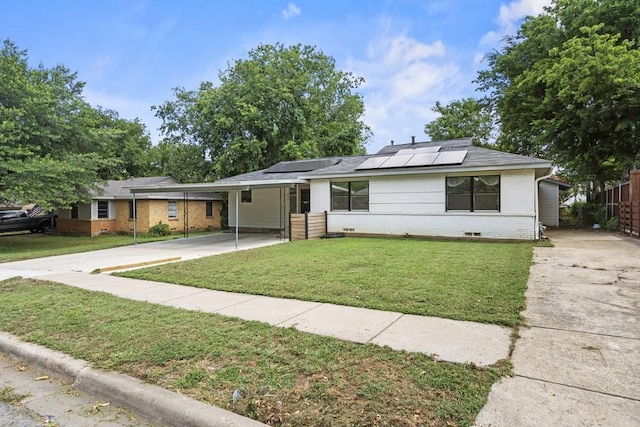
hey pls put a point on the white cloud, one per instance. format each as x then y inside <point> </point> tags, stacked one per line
<point>403,79</point>
<point>509,17</point>
<point>291,11</point>
<point>127,107</point>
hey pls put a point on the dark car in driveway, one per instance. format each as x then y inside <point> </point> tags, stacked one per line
<point>19,220</point>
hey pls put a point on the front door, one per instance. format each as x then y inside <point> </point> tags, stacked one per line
<point>305,200</point>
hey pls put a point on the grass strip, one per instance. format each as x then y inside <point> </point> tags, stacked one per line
<point>476,281</point>
<point>285,377</point>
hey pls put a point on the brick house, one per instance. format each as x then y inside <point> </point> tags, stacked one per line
<point>112,210</point>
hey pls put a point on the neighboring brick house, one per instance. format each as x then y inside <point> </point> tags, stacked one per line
<point>112,210</point>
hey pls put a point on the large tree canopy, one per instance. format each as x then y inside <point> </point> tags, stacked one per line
<point>54,146</point>
<point>281,103</point>
<point>461,118</point>
<point>567,87</point>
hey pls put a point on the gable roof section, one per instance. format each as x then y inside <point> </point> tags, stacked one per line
<point>116,189</point>
<point>475,158</point>
<point>290,173</point>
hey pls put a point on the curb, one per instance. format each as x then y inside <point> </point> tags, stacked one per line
<point>155,404</point>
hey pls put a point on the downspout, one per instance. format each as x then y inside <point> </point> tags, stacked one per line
<point>536,223</point>
<point>237,223</point>
<point>135,214</point>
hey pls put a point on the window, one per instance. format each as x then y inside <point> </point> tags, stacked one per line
<point>74,212</point>
<point>246,196</point>
<point>103,209</point>
<point>473,193</point>
<point>350,196</point>
<point>133,211</point>
<point>173,209</point>
<point>209,209</point>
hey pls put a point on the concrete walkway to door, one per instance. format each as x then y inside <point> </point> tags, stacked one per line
<point>577,361</point>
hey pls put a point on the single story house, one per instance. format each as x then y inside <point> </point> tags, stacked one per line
<point>112,210</point>
<point>439,188</point>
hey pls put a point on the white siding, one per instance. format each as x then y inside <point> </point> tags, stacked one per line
<point>263,211</point>
<point>85,211</point>
<point>320,195</point>
<point>415,205</point>
<point>549,204</point>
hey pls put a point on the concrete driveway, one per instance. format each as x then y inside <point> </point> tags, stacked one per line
<point>577,361</point>
<point>151,253</point>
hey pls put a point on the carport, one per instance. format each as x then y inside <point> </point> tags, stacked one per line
<point>284,185</point>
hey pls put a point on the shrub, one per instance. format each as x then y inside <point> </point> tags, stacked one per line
<point>159,229</point>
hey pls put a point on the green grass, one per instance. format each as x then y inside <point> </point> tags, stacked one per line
<point>287,377</point>
<point>17,247</point>
<point>9,395</point>
<point>476,281</point>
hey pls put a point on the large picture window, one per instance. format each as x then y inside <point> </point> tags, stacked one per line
<point>350,196</point>
<point>473,193</point>
<point>103,209</point>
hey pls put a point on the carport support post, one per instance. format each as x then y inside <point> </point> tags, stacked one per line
<point>134,220</point>
<point>237,203</point>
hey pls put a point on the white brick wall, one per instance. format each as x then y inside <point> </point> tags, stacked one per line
<point>415,205</point>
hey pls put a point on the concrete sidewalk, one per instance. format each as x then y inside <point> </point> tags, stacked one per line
<point>448,340</point>
<point>577,362</point>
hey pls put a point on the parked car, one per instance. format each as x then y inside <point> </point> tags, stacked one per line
<point>19,220</point>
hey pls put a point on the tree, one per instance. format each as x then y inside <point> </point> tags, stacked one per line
<point>55,147</point>
<point>184,162</point>
<point>567,87</point>
<point>461,118</point>
<point>282,103</point>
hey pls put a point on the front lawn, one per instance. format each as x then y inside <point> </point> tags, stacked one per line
<point>285,377</point>
<point>464,280</point>
<point>17,247</point>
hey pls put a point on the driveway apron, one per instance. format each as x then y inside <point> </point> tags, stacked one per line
<point>577,361</point>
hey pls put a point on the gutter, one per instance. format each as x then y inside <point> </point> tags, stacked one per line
<point>536,222</point>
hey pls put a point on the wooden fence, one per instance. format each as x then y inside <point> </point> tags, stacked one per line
<point>308,225</point>
<point>623,202</point>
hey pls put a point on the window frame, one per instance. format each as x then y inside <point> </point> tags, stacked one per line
<point>472,193</point>
<point>132,210</point>
<point>350,196</point>
<point>169,204</point>
<point>102,212</point>
<point>246,196</point>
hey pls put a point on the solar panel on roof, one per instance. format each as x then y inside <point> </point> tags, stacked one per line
<point>425,159</point>
<point>450,157</point>
<point>396,161</point>
<point>373,162</point>
<point>420,150</point>
<point>301,165</point>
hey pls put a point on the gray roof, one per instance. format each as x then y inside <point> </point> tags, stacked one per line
<point>476,158</point>
<point>116,189</point>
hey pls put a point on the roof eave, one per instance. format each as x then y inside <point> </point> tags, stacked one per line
<point>223,186</point>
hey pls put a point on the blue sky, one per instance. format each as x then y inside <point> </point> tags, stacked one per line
<point>131,53</point>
